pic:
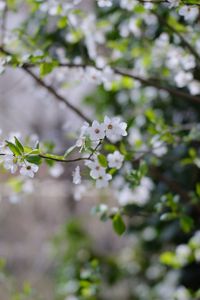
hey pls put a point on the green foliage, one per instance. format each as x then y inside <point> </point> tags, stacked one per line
<point>118,224</point>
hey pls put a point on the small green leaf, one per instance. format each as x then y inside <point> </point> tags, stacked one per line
<point>169,258</point>
<point>34,159</point>
<point>102,160</point>
<point>118,224</point>
<point>13,148</point>
<point>46,68</point>
<point>186,223</point>
<point>69,151</point>
<point>62,22</point>
<point>19,145</point>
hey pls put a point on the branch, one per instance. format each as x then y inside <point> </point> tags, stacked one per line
<point>53,92</point>
<point>171,183</point>
<point>149,82</point>
<point>166,2</point>
<point>64,160</point>
<point>182,38</point>
<point>144,81</point>
<point>50,89</point>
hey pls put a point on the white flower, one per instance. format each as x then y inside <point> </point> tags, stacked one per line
<point>2,5</point>
<point>183,78</point>
<point>194,87</point>
<point>115,129</point>
<point>183,253</point>
<point>188,62</point>
<point>102,181</point>
<point>56,170</point>
<point>134,137</point>
<point>76,176</point>
<point>139,196</point>
<point>96,131</point>
<point>189,13</point>
<point>197,255</point>
<point>10,162</point>
<point>79,192</point>
<point>182,294</point>
<point>93,75</point>
<point>104,3</point>
<point>96,169</point>
<point>115,160</point>
<point>29,169</point>
<point>128,4</point>
<point>173,3</point>
<point>81,140</point>
<point>159,149</point>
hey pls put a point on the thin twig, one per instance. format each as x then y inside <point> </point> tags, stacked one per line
<point>144,81</point>
<point>182,38</point>
<point>50,89</point>
<point>64,160</point>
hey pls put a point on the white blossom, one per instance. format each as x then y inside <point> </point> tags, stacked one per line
<point>56,171</point>
<point>140,195</point>
<point>173,3</point>
<point>183,253</point>
<point>81,140</point>
<point>104,3</point>
<point>28,169</point>
<point>114,129</point>
<point>128,4</point>
<point>96,169</point>
<point>103,180</point>
<point>183,78</point>
<point>2,5</point>
<point>10,162</point>
<point>96,131</point>
<point>189,13</point>
<point>182,294</point>
<point>115,160</point>
<point>194,87</point>
<point>76,176</point>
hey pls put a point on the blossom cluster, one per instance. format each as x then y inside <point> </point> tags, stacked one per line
<point>111,129</point>
<point>12,158</point>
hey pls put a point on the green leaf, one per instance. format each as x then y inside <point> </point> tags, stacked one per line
<point>69,151</point>
<point>34,159</point>
<point>168,216</point>
<point>198,189</point>
<point>169,258</point>
<point>186,223</point>
<point>102,160</point>
<point>46,68</point>
<point>13,148</point>
<point>118,224</point>
<point>122,149</point>
<point>110,147</point>
<point>62,22</point>
<point>19,145</point>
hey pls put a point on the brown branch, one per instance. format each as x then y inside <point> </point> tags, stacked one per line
<point>149,82</point>
<point>166,2</point>
<point>182,38</point>
<point>146,82</point>
<point>171,183</point>
<point>64,160</point>
<point>50,89</point>
<point>59,97</point>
